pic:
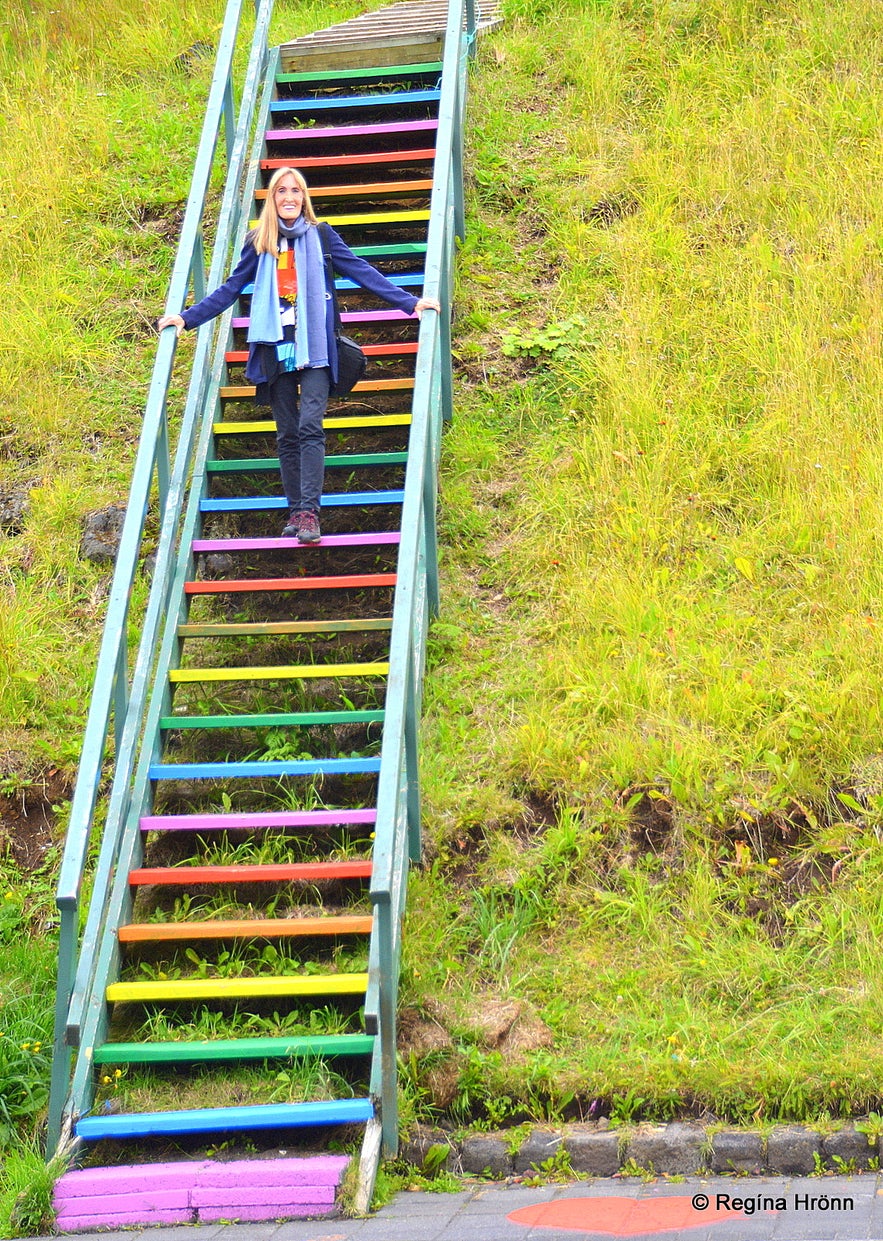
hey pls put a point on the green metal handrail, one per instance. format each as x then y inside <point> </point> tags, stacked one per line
<point>398,828</point>
<point>115,693</point>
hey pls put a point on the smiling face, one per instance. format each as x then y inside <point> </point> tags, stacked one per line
<point>288,197</point>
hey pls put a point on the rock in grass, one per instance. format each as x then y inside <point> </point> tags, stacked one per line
<point>102,532</point>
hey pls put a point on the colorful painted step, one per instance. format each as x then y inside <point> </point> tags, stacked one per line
<point>392,73</point>
<point>350,316</point>
<point>195,989</point>
<point>280,872</point>
<point>350,461</point>
<point>244,928</point>
<point>363,189</point>
<point>236,504</point>
<point>255,820</point>
<point>224,1119</point>
<point>385,537</point>
<point>267,770</point>
<point>371,351</point>
<point>238,392</point>
<point>423,156</point>
<point>260,426</point>
<point>225,628</point>
<point>207,1051</point>
<point>349,581</point>
<point>328,134</point>
<point>191,1192</point>
<point>395,99</point>
<point>278,719</point>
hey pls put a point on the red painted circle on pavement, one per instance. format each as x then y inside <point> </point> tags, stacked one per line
<point>621,1217</point>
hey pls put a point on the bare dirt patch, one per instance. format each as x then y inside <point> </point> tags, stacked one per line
<point>29,815</point>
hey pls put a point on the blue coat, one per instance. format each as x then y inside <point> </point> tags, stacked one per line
<point>342,260</point>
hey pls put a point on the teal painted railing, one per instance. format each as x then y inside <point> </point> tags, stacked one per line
<point>398,830</point>
<point>117,694</point>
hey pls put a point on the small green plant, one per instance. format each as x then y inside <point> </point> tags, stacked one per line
<point>556,1169</point>
<point>624,1108</point>
<point>552,341</point>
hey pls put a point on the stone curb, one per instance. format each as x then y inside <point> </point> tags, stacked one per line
<point>676,1149</point>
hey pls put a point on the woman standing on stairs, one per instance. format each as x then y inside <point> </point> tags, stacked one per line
<point>292,352</point>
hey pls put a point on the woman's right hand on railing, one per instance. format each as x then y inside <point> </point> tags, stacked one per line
<point>171,321</point>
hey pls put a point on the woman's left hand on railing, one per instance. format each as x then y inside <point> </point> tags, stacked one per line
<point>426,303</point>
<point>171,321</point>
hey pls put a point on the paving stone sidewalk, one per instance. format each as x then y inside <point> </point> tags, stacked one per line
<point>804,1210</point>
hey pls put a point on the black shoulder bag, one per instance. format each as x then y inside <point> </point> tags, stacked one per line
<point>351,362</point>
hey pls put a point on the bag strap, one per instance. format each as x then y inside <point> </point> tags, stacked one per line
<point>324,230</point>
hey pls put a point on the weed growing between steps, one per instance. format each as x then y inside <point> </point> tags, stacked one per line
<point>661,578</point>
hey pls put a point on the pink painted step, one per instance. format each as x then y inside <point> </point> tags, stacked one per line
<point>243,819</point>
<point>197,1192</point>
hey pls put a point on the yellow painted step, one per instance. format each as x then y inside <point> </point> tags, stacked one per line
<point>331,424</point>
<point>282,672</point>
<point>237,988</point>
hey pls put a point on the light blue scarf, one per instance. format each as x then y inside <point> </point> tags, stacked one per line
<point>265,327</point>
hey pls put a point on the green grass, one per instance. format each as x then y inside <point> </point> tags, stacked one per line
<point>661,576</point>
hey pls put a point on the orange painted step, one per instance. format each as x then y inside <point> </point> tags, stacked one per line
<point>342,161</point>
<point>290,583</point>
<point>244,928</point>
<point>375,187</point>
<point>284,872</point>
<point>370,351</point>
<point>240,392</point>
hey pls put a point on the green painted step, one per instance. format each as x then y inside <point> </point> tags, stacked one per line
<point>235,1049</point>
<point>377,71</point>
<point>246,465</point>
<point>282,719</point>
<point>226,629</point>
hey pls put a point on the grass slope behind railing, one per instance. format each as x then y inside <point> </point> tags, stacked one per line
<point>115,694</point>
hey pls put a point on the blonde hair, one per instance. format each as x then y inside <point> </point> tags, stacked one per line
<point>265,234</point>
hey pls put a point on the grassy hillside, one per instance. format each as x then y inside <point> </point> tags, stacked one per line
<point>652,780</point>
<point>653,726</point>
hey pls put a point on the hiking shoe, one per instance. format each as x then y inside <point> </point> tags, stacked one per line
<point>293,525</point>
<point>309,531</point>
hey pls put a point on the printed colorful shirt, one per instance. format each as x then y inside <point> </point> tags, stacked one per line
<point>286,277</point>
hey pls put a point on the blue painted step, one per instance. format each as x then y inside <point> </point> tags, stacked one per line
<point>295,767</point>
<point>403,281</point>
<point>395,99</point>
<point>225,1119</point>
<point>240,504</point>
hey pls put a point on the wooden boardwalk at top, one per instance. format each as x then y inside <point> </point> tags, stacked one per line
<point>382,37</point>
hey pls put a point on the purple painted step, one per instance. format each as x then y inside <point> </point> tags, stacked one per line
<point>352,316</point>
<point>328,540</point>
<point>275,818</point>
<point>197,1192</point>
<point>349,131</point>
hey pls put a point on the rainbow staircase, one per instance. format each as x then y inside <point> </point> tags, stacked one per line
<point>232,991</point>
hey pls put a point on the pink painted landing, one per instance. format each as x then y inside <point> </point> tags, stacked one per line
<point>197,1191</point>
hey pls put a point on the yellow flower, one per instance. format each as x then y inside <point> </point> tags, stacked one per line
<point>118,1073</point>
<point>36,1047</point>
<point>105,1081</point>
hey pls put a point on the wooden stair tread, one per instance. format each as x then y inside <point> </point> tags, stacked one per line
<point>236,988</point>
<point>244,928</point>
<point>301,1046</point>
<point>240,465</point>
<point>265,872</point>
<point>224,629</point>
<point>326,133</point>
